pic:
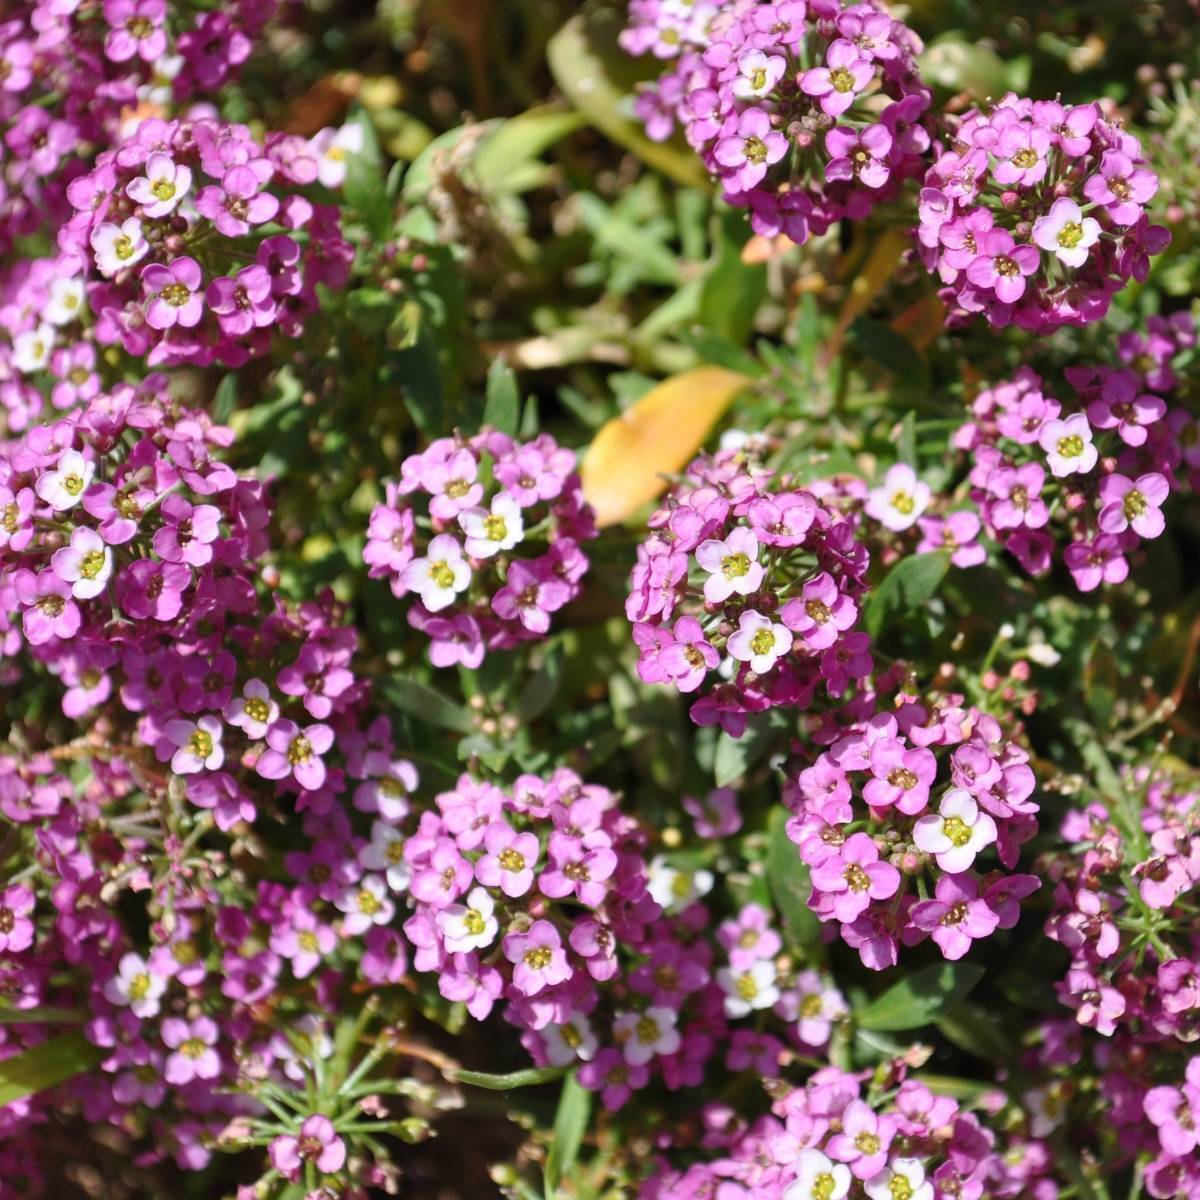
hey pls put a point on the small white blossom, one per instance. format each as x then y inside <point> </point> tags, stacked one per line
<point>440,575</point>
<point>956,833</point>
<point>750,989</point>
<point>63,487</point>
<point>490,533</point>
<point>136,987</point>
<point>31,349</point>
<point>674,889</point>
<point>469,926</point>
<point>385,853</point>
<point>643,1035</point>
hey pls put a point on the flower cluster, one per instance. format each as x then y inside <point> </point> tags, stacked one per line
<point>1034,214</point>
<point>750,578</point>
<point>1099,472</point>
<point>844,1134</point>
<point>446,533</point>
<point>807,112</point>
<point>922,834</point>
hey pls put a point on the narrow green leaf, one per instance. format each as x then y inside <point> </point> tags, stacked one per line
<point>732,290</point>
<point>42,1016</point>
<point>911,583</point>
<point>521,140</point>
<point>920,998</point>
<point>570,1122</point>
<point>975,1030</point>
<point>425,704</point>
<point>502,410</point>
<point>45,1065</point>
<point>515,1079</point>
<point>365,188</point>
<point>787,877</point>
<point>882,345</point>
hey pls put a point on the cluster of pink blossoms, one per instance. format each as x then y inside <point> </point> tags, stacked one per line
<point>1098,474</point>
<point>1034,214</point>
<point>1126,906</point>
<point>71,73</point>
<point>807,111</point>
<point>881,1134</point>
<point>912,871</point>
<point>751,579</point>
<point>448,529</point>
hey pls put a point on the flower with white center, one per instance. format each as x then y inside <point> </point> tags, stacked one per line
<point>569,1041</point>
<point>758,73</point>
<point>135,987</point>
<point>31,349</point>
<point>900,500</point>
<point>365,903</point>
<point>162,187</point>
<point>489,533</point>
<point>385,853</point>
<point>901,1179</point>
<point>1066,232</point>
<point>63,487</point>
<point>818,1178</point>
<point>749,989</point>
<point>675,889</point>
<point>333,147</point>
<point>198,745</point>
<point>65,302</point>
<point>469,926</point>
<point>86,563</point>
<point>732,565</point>
<point>119,246</point>
<point>956,833</point>
<point>1068,445</point>
<point>440,575</point>
<point>641,1036</point>
<point>253,712</point>
<point>759,641</point>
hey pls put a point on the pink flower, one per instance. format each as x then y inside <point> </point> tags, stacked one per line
<point>136,29</point>
<point>317,1143</point>
<point>717,815</point>
<point>861,156</point>
<point>902,777</point>
<point>837,84</point>
<point>1099,561</point>
<point>16,929</point>
<point>1137,505</point>
<point>48,608</point>
<point>957,533</point>
<point>732,565</point>
<point>853,876</point>
<point>192,1043</point>
<point>509,861</point>
<point>530,594</point>
<point>1176,1114</point>
<point>242,303</point>
<point>198,745</point>
<point>538,958</point>
<point>1122,188</point>
<point>820,614</point>
<point>292,752</point>
<point>1015,497</point>
<point>956,917</point>
<point>688,659</point>
<point>863,1141</point>
<point>147,589</point>
<point>1002,266</point>
<point>175,294</point>
<point>750,149</point>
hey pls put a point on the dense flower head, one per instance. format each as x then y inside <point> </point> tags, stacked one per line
<point>482,499</point>
<point>806,113</point>
<point>1034,213</point>
<point>751,579</point>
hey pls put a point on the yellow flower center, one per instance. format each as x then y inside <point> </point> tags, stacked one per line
<point>734,566</point>
<point>957,830</point>
<point>441,573</point>
<point>163,189</point>
<point>1070,446</point>
<point>200,744</point>
<point>1070,235</point>
<point>91,564</point>
<point>763,642</point>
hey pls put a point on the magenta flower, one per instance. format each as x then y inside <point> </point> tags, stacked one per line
<point>147,589</point>
<point>863,1141</point>
<point>293,752</point>
<point>136,28</point>
<point>853,876</point>
<point>1119,406</point>
<point>956,917</point>
<point>820,614</point>
<point>48,608</point>
<point>530,594</point>
<point>750,149</point>
<point>846,73</point>
<point>174,291</point>
<point>244,302</point>
<point>687,660</point>
<point>1002,266</point>
<point>317,677</point>
<point>1101,560</point>
<point>1122,188</point>
<point>1133,504</point>
<point>192,1044</point>
<point>509,861</point>
<point>861,156</point>
<point>16,929</point>
<point>317,1143</point>
<point>538,958</point>
<point>613,1077</point>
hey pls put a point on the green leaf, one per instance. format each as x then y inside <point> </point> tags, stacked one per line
<point>975,1030</point>
<point>365,188</point>
<point>732,290</point>
<point>570,1122</point>
<point>519,141</point>
<point>957,65</point>
<point>787,877</point>
<point>911,583</point>
<point>225,397</point>
<point>920,998</point>
<point>502,410</point>
<point>598,77</point>
<point>46,1064</point>
<point>505,1083</point>
<point>425,704</point>
<point>882,345</point>
<point>543,685</point>
<point>42,1016</point>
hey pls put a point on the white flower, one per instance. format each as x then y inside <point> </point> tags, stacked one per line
<point>750,989</point>
<point>643,1035</point>
<point>674,889</point>
<point>1068,445</point>
<point>65,302</point>
<point>1047,1108</point>
<point>901,1178</point>
<point>732,565</point>
<point>162,187</point>
<point>489,533</point>
<point>957,833</point>
<point>469,926</point>
<point>199,745</point>
<point>758,74</point>
<point>253,712</point>
<point>899,500</point>
<point>85,564</point>
<point>569,1041</point>
<point>305,1040</point>
<point>759,641</point>
<point>119,246</point>
<point>332,147</point>
<point>440,575</point>
<point>817,1178</point>
<point>31,349</point>
<point>365,903</point>
<point>63,487</point>
<point>136,987</point>
<point>386,853</point>
<point>1066,232</point>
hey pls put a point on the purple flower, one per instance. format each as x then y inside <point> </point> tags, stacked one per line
<point>292,751</point>
<point>192,1044</point>
<point>175,294</point>
<point>846,73</point>
<point>851,877</point>
<point>538,958</point>
<point>749,149</point>
<point>509,859</point>
<point>1016,497</point>
<point>1099,561</point>
<point>304,940</point>
<point>956,917</point>
<point>1120,407</point>
<point>317,1143</point>
<point>317,677</point>
<point>1002,266</point>
<point>530,594</point>
<point>1133,504</point>
<point>188,531</point>
<point>862,156</point>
